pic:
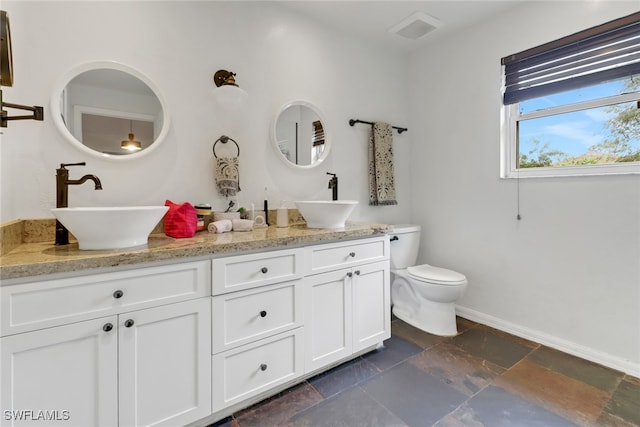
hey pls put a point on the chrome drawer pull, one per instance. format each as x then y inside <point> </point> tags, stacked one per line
<point>357,272</point>
<point>264,270</point>
<point>263,367</point>
<point>263,313</point>
<point>349,274</point>
<point>129,323</point>
<point>107,327</point>
<point>352,254</point>
<point>118,294</point>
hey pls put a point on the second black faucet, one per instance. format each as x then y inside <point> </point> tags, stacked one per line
<point>333,184</point>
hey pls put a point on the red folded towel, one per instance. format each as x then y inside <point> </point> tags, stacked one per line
<point>181,220</point>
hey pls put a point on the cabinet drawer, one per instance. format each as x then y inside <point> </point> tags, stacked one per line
<point>44,304</point>
<point>241,317</point>
<point>246,271</point>
<point>345,254</point>
<point>249,370</point>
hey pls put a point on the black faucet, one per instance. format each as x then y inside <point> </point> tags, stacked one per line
<point>333,184</point>
<point>62,195</point>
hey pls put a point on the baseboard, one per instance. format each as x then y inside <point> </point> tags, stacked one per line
<point>569,347</point>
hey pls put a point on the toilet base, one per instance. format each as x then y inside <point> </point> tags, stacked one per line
<point>432,317</point>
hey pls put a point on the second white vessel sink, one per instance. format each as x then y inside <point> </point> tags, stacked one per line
<point>110,227</point>
<point>326,213</point>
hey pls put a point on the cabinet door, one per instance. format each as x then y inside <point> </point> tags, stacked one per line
<point>371,305</point>
<point>165,364</point>
<point>65,375</point>
<point>327,319</point>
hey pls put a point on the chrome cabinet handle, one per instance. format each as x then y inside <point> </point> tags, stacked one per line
<point>263,313</point>
<point>357,272</point>
<point>263,367</point>
<point>129,323</point>
<point>352,254</point>
<point>107,327</point>
<point>264,270</point>
<point>118,294</point>
<point>349,274</point>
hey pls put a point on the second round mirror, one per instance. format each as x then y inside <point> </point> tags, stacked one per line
<point>300,135</point>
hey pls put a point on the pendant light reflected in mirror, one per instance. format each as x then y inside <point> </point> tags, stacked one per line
<point>131,144</point>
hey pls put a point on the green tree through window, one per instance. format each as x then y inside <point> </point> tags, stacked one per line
<point>620,134</point>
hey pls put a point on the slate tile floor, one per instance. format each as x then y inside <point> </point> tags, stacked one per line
<point>481,377</point>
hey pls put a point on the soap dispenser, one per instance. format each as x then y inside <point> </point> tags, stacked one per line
<point>282,217</point>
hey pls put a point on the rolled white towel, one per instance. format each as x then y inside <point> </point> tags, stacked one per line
<point>242,224</point>
<point>221,226</point>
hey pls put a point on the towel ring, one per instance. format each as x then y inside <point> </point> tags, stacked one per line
<point>224,139</point>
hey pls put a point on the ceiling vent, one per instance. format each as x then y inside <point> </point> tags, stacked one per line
<point>415,26</point>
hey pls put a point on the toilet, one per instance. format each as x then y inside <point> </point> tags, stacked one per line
<point>422,295</point>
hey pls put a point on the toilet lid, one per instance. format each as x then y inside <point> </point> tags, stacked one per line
<point>441,276</point>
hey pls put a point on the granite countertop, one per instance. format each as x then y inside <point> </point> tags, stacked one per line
<point>36,258</point>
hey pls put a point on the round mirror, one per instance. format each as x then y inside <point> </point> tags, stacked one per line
<point>110,110</point>
<point>299,135</point>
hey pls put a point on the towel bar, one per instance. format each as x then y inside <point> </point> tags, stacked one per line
<point>354,121</point>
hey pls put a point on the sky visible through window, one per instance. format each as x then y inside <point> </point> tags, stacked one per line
<point>574,134</point>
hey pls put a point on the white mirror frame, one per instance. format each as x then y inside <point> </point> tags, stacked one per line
<point>112,65</point>
<point>327,135</point>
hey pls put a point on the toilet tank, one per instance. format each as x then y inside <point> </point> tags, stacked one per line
<point>405,241</point>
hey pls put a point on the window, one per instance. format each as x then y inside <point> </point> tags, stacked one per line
<point>317,141</point>
<point>572,106</point>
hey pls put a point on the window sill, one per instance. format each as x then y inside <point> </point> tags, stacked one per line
<point>591,170</point>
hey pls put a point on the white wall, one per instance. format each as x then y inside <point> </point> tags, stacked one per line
<point>278,56</point>
<point>568,273</point>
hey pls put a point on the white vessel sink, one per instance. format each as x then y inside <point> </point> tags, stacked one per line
<point>326,214</point>
<point>112,227</point>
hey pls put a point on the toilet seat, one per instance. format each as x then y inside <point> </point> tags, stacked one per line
<point>436,275</point>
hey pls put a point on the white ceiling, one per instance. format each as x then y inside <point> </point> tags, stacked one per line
<point>371,19</point>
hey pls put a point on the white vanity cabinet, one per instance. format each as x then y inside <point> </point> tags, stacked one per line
<point>187,343</point>
<point>128,348</point>
<point>347,305</point>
